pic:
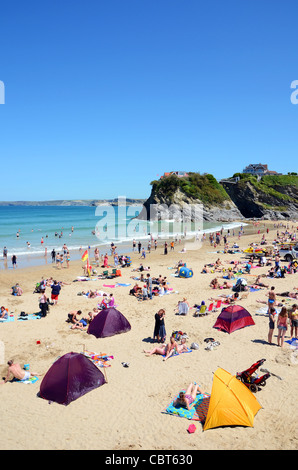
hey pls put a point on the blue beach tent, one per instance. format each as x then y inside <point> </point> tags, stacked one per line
<point>185,272</point>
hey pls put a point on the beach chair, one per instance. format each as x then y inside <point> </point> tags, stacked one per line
<point>105,275</point>
<point>210,308</point>
<point>202,311</point>
<point>217,305</point>
<point>114,272</point>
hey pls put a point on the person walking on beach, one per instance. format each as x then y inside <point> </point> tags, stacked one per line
<point>14,261</point>
<point>96,256</point>
<point>139,247</point>
<point>67,259</point>
<point>5,253</point>
<point>165,248</point>
<point>61,260</point>
<point>53,254</point>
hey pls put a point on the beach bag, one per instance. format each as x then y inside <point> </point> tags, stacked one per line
<point>177,335</point>
<point>194,346</point>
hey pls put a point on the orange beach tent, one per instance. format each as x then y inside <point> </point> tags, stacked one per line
<point>231,402</point>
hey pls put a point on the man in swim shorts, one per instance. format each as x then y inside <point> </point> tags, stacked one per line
<point>272,298</point>
<point>17,372</point>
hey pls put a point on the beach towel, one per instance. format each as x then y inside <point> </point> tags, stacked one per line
<point>100,360</point>
<point>198,412</point>
<point>253,289</point>
<point>176,354</point>
<point>83,278</point>
<point>293,343</point>
<point>118,284</point>
<point>30,316</point>
<point>109,285</point>
<point>7,320</point>
<point>31,380</point>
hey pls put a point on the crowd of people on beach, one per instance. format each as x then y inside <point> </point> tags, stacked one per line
<point>280,314</point>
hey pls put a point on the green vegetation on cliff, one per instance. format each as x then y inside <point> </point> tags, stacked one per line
<point>203,187</point>
<point>276,186</point>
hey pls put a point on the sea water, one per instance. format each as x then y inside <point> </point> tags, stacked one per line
<point>32,232</point>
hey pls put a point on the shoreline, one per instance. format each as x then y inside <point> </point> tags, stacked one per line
<point>41,259</point>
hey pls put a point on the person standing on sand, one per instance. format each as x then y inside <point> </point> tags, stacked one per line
<point>272,314</point>
<point>272,298</point>
<point>159,326</point>
<point>294,321</point>
<point>282,326</point>
<point>56,288</point>
<point>14,261</point>
<point>43,304</point>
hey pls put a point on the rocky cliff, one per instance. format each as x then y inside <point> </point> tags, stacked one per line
<point>171,195</point>
<point>271,197</point>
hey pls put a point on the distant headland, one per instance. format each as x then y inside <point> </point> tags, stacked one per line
<point>73,202</point>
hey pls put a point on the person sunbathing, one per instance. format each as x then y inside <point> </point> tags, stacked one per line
<point>16,371</point>
<point>182,347</point>
<point>205,269</point>
<point>81,324</point>
<point>165,350</point>
<point>214,284</point>
<point>226,285</point>
<point>186,399</point>
<point>259,283</point>
<point>292,295</point>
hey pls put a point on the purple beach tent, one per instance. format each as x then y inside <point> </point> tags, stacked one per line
<point>108,322</point>
<point>70,377</point>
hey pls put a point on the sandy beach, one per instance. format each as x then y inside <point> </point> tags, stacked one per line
<point>126,412</point>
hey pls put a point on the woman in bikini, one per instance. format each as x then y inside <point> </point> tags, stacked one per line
<point>187,398</point>
<point>165,350</point>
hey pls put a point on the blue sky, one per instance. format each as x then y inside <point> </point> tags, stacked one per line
<point>102,97</point>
